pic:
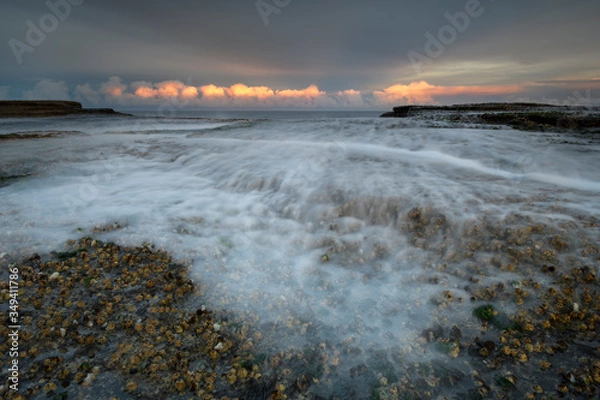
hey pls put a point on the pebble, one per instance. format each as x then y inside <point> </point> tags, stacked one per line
<point>152,332</point>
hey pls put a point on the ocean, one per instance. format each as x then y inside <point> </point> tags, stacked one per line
<point>371,230</point>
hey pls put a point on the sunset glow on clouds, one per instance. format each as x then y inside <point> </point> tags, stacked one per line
<point>212,91</point>
<point>113,88</point>
<point>116,93</point>
<point>141,93</point>
<point>307,57</point>
<point>167,89</point>
<point>423,92</point>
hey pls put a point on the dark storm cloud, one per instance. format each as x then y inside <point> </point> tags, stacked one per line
<point>334,44</point>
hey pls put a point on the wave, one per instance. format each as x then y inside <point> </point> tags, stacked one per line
<point>365,229</point>
<point>565,181</point>
<point>238,125</point>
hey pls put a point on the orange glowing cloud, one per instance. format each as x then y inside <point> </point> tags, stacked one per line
<point>424,92</point>
<point>212,91</point>
<point>113,87</point>
<point>241,90</point>
<point>415,92</point>
<point>145,92</point>
<point>169,88</point>
<point>114,91</point>
<point>212,95</point>
<point>179,93</point>
<point>189,92</point>
<point>165,90</point>
<point>310,92</point>
<point>246,93</point>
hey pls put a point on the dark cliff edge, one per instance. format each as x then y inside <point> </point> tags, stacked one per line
<point>48,108</point>
<point>522,116</point>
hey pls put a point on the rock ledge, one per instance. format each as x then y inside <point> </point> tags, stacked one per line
<point>47,108</point>
<point>522,116</point>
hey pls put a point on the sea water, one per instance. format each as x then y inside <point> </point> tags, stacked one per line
<point>352,223</point>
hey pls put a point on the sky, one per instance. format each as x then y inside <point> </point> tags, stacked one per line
<point>331,54</point>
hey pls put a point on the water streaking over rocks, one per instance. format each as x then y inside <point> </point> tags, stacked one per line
<point>523,116</point>
<point>394,258</point>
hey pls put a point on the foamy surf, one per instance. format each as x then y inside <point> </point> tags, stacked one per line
<point>369,232</point>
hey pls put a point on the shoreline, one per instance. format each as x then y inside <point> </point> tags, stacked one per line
<point>128,322</point>
<point>520,116</point>
<point>49,108</point>
<point>534,117</point>
<point>510,299</point>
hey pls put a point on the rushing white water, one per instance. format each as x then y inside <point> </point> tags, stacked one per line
<point>297,217</point>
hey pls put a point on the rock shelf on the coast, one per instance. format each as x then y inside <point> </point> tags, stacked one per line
<point>522,116</point>
<point>47,108</point>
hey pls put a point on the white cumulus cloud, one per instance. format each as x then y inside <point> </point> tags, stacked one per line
<point>47,89</point>
<point>86,94</point>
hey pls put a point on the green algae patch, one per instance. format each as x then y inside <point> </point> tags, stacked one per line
<point>500,320</point>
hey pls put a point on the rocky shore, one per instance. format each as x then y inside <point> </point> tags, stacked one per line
<point>522,116</point>
<point>47,108</point>
<point>99,320</point>
<point>510,306</point>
